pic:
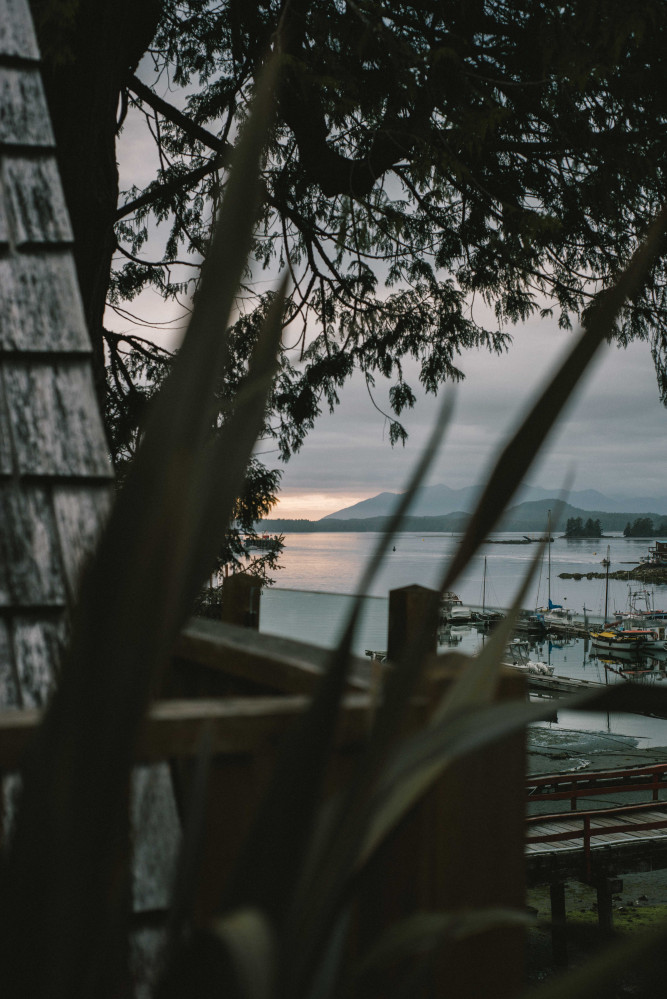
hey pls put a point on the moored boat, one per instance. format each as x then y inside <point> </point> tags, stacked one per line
<point>518,656</point>
<point>453,610</point>
<point>640,613</point>
<point>616,639</point>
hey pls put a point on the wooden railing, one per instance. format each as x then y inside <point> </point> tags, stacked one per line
<point>594,783</point>
<point>454,850</point>
<point>628,821</point>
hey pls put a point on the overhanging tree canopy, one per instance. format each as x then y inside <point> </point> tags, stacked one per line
<point>423,152</point>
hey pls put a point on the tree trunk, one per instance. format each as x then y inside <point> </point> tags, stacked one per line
<point>86,63</point>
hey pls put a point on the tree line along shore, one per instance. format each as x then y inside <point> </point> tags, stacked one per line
<point>529,516</point>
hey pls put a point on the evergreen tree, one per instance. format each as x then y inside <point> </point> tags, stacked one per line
<point>642,527</point>
<point>423,152</point>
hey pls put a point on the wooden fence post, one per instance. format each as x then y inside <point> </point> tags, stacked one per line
<point>461,847</point>
<point>411,609</point>
<point>240,600</point>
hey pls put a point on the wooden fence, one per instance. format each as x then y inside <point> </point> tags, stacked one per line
<point>457,848</point>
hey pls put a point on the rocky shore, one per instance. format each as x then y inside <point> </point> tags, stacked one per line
<point>553,750</point>
<point>642,573</point>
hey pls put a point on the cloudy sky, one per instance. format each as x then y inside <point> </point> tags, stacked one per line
<point>614,434</point>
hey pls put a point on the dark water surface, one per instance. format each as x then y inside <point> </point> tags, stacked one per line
<point>313,594</point>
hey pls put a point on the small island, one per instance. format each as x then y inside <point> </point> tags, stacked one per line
<point>576,528</point>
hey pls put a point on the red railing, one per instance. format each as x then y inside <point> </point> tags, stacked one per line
<point>588,831</point>
<point>580,783</point>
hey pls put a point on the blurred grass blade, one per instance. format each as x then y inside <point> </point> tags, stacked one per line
<point>416,479</point>
<point>63,894</point>
<point>247,937</point>
<point>519,453</point>
<point>507,475</point>
<point>423,931</point>
<point>221,473</point>
<point>274,854</point>
<point>515,461</point>
<point>189,856</point>
<point>602,970</point>
<point>326,982</point>
<point>632,696</point>
<point>423,757</point>
<point>477,682</point>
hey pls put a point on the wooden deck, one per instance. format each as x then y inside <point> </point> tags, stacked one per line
<point>589,844</point>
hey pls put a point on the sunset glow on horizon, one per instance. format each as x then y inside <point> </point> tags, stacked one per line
<point>312,506</point>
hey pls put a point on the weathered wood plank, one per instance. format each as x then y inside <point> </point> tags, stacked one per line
<point>4,226</point>
<point>37,646</point>
<point>156,837</point>
<point>278,663</point>
<point>6,452</point>
<point>35,203</point>
<point>9,691</point>
<point>35,574</point>
<point>24,117</point>
<point>40,306</point>
<point>55,423</point>
<point>80,512</point>
<point>174,729</point>
<point>17,37</point>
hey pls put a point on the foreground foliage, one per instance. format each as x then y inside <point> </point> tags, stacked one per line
<point>282,922</point>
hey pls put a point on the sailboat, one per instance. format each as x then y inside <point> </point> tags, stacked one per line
<point>552,613</point>
<point>486,617</point>
<point>612,638</point>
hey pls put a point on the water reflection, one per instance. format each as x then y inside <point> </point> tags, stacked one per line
<point>318,618</point>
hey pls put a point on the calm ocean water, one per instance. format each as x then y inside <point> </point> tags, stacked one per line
<point>313,593</point>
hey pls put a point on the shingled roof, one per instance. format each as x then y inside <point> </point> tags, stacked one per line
<point>54,470</point>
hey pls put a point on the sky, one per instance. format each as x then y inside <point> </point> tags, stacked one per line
<point>613,436</point>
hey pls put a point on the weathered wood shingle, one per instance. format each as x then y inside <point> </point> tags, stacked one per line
<point>35,205</point>
<point>9,688</point>
<point>24,117</point>
<point>34,569</point>
<point>49,412</point>
<point>17,38</point>
<point>55,476</point>
<point>40,307</point>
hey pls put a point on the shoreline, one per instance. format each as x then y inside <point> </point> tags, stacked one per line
<point>552,751</point>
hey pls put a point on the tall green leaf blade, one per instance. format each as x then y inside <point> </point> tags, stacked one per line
<point>477,681</point>
<point>519,453</point>
<point>507,475</point>
<point>422,931</point>
<point>248,938</point>
<point>423,757</point>
<point>272,861</point>
<point>64,897</point>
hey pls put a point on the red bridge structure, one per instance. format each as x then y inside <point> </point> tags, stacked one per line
<point>598,842</point>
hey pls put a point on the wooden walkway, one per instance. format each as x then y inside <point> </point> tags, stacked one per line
<point>593,843</point>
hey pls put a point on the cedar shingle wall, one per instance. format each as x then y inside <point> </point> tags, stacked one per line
<point>54,471</point>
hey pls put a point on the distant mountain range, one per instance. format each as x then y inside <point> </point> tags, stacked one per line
<point>436,501</point>
<point>529,516</point>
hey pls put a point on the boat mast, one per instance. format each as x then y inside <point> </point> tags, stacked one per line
<point>484,588</point>
<point>605,562</point>
<point>549,560</point>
